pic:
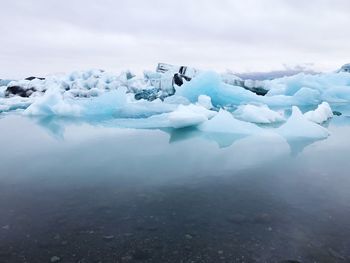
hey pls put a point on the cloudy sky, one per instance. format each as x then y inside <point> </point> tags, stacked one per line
<point>39,37</point>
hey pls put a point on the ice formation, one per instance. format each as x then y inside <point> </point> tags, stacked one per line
<point>258,114</point>
<point>321,114</point>
<point>179,97</point>
<point>205,101</point>
<point>299,127</point>
<point>191,115</point>
<point>53,103</point>
<point>224,122</point>
<point>182,117</point>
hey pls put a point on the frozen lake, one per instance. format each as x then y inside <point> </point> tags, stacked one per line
<point>91,192</point>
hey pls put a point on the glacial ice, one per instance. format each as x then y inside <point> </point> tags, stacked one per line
<point>258,114</point>
<point>321,114</point>
<point>183,116</point>
<point>191,115</point>
<point>222,94</point>
<point>53,103</point>
<point>212,102</point>
<point>205,101</point>
<point>298,126</point>
<point>224,122</point>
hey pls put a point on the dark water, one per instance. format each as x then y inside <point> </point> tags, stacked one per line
<point>76,192</point>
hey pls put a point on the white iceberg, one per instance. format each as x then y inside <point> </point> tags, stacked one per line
<point>191,115</point>
<point>205,101</point>
<point>258,114</point>
<point>321,114</point>
<point>183,116</point>
<point>53,103</point>
<point>224,122</point>
<point>299,127</point>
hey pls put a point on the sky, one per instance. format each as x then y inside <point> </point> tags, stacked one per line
<point>41,37</point>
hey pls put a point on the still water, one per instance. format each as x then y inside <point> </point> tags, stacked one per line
<point>75,191</point>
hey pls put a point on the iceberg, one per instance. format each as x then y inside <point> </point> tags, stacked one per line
<point>191,115</point>
<point>258,114</point>
<point>321,114</point>
<point>53,103</point>
<point>321,84</point>
<point>298,126</point>
<point>205,101</point>
<point>182,117</point>
<point>179,97</point>
<point>345,68</point>
<point>224,122</point>
<point>222,94</point>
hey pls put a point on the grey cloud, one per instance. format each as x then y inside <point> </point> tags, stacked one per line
<point>43,36</point>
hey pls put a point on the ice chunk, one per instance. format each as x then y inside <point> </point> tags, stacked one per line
<point>321,82</point>
<point>321,114</point>
<point>106,104</point>
<point>53,103</point>
<point>4,82</point>
<point>205,101</point>
<point>224,122</point>
<point>337,94</point>
<point>231,79</point>
<point>183,116</point>
<point>210,84</point>
<point>345,68</point>
<point>177,100</point>
<point>2,91</point>
<point>298,126</point>
<point>186,116</point>
<point>14,103</point>
<point>258,114</point>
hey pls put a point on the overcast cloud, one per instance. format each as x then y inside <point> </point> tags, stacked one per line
<point>39,37</point>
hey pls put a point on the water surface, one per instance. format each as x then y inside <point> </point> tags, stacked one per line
<point>92,192</point>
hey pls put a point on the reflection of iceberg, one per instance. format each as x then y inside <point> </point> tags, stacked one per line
<point>179,135</point>
<point>50,124</point>
<point>191,121</point>
<point>297,146</point>
<point>56,126</point>
<point>223,140</point>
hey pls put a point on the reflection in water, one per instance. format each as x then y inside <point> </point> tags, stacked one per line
<point>56,127</point>
<point>51,126</point>
<point>88,191</point>
<point>298,145</point>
